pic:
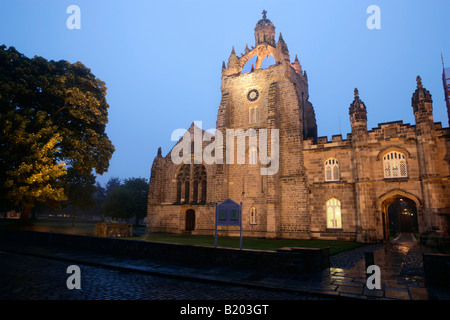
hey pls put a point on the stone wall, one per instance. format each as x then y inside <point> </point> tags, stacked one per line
<point>285,260</point>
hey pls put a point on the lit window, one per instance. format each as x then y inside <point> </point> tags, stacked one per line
<point>334,219</point>
<point>331,170</point>
<point>394,164</point>
<point>253,215</point>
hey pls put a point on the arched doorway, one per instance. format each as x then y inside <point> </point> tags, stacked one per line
<point>190,220</point>
<point>402,216</point>
<point>400,213</point>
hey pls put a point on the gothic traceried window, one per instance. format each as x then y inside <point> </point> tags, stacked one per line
<point>334,219</point>
<point>200,186</point>
<point>332,170</point>
<point>394,165</point>
<point>183,179</point>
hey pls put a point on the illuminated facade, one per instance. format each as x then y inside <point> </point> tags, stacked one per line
<point>340,189</point>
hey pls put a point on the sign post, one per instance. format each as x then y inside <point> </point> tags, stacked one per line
<point>228,213</point>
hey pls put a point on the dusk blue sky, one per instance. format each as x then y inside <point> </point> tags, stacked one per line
<point>162,60</point>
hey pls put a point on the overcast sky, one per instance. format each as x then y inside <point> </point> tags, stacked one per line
<point>162,60</point>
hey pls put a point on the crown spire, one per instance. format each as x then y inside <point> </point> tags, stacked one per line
<point>264,31</point>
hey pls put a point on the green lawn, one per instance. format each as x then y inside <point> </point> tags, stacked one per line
<point>227,242</point>
<point>251,243</point>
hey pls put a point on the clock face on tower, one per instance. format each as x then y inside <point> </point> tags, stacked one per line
<point>252,95</point>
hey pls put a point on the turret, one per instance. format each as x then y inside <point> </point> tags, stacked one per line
<point>296,65</point>
<point>422,105</point>
<point>282,49</point>
<point>233,64</point>
<point>358,115</point>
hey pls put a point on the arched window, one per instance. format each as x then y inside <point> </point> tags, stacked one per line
<point>331,170</point>
<point>253,115</point>
<point>253,155</point>
<point>334,219</point>
<point>183,178</point>
<point>394,164</point>
<point>199,184</point>
<point>195,192</point>
<point>253,215</point>
<point>203,185</point>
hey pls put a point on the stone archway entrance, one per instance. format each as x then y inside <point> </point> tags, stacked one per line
<point>400,213</point>
<point>402,216</point>
<point>190,220</point>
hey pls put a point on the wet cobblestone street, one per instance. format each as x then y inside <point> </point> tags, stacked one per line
<point>32,278</point>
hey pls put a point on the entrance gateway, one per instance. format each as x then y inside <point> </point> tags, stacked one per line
<point>400,212</point>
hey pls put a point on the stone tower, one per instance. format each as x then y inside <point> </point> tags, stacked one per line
<point>359,140</point>
<point>422,104</point>
<point>273,99</point>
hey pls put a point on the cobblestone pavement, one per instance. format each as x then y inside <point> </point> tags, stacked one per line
<point>35,274</point>
<point>26,277</point>
<point>401,266</point>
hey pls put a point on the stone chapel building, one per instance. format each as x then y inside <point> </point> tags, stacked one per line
<point>364,187</point>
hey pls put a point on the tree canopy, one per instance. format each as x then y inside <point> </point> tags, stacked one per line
<point>53,116</point>
<point>80,190</point>
<point>128,200</point>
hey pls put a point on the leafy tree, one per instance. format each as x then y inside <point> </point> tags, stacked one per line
<point>29,170</point>
<point>99,198</point>
<point>119,203</point>
<point>64,113</point>
<point>80,189</point>
<point>112,183</point>
<point>129,200</point>
<point>139,190</point>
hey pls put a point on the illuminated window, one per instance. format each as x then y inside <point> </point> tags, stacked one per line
<point>253,215</point>
<point>331,170</point>
<point>394,165</point>
<point>334,219</point>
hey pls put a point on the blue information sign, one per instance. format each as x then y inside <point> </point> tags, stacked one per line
<point>228,213</point>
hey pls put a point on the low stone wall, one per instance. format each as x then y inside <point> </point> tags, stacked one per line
<point>285,260</point>
<point>113,229</point>
<point>437,269</point>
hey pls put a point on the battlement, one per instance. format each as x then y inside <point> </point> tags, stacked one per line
<point>323,142</point>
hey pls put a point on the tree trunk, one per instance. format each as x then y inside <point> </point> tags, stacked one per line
<point>26,212</point>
